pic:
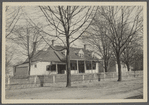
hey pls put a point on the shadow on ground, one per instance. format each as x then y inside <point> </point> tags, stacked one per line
<point>136,97</point>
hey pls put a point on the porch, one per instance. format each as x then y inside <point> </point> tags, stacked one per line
<point>76,66</point>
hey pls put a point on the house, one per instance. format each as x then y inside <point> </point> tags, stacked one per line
<point>113,66</point>
<point>53,61</point>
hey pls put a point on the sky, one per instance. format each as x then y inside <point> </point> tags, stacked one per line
<point>34,13</point>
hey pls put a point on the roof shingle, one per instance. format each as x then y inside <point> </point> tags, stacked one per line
<point>54,55</point>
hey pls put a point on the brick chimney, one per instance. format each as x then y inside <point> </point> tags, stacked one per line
<point>53,42</point>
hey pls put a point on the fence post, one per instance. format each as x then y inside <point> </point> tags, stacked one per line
<point>35,79</point>
<point>83,77</point>
<point>113,75</point>
<point>8,80</point>
<point>95,76</point>
<point>104,75</point>
<point>41,78</point>
<point>54,78</point>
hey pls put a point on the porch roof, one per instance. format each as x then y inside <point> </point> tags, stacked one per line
<point>54,54</point>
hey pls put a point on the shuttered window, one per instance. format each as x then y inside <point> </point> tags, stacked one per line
<point>51,67</point>
<point>73,65</point>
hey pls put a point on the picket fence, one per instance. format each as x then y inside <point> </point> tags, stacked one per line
<point>41,80</point>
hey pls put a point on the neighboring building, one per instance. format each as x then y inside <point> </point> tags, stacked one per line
<point>113,67</point>
<point>9,71</point>
<point>138,62</point>
<point>53,61</point>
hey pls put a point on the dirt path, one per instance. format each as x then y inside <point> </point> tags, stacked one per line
<point>93,90</point>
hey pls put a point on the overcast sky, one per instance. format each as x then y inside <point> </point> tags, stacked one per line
<point>35,14</point>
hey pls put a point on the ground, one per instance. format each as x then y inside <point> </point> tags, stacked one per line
<point>107,89</point>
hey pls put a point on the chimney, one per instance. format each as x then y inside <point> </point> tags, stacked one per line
<point>52,42</point>
<point>84,46</point>
<point>34,48</point>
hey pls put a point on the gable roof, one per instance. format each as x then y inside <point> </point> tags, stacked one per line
<point>55,54</point>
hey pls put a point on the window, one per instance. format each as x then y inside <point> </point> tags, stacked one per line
<point>93,55</point>
<point>48,67</point>
<point>73,65</point>
<point>93,65</point>
<point>64,52</point>
<point>81,54</point>
<point>35,66</point>
<point>51,67</point>
<point>88,65</point>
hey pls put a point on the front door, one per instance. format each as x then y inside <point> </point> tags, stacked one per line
<point>61,68</point>
<point>81,66</point>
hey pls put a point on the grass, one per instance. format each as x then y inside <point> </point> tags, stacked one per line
<point>109,89</point>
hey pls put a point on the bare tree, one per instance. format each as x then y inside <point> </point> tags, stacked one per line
<point>96,37</point>
<point>129,55</point>
<point>8,58</point>
<point>123,24</point>
<point>12,16</point>
<point>68,23</point>
<point>28,39</point>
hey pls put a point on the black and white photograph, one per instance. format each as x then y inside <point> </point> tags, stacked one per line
<point>74,52</point>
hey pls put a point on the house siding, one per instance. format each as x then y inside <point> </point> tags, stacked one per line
<point>40,69</point>
<point>100,67</point>
<point>74,71</point>
<point>123,68</point>
<point>42,59</point>
<point>19,71</point>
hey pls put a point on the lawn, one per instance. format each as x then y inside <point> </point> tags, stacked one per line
<point>110,89</point>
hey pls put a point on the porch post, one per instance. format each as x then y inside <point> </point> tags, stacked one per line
<point>77,67</point>
<point>84,66</point>
<point>91,67</point>
<point>54,76</point>
<point>56,69</point>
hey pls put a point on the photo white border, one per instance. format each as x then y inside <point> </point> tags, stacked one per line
<point>145,85</point>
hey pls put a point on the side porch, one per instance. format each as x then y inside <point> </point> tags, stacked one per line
<point>76,66</point>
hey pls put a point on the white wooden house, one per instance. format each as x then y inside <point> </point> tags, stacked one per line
<point>53,61</point>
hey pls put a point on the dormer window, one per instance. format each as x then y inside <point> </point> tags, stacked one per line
<point>64,52</point>
<point>81,53</point>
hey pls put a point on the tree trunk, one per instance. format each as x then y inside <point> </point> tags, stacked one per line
<point>29,66</point>
<point>119,68</point>
<point>128,68</point>
<point>106,67</point>
<point>29,60</point>
<point>68,65</point>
